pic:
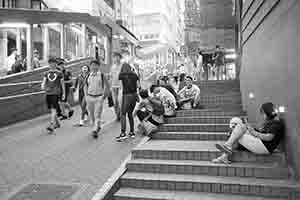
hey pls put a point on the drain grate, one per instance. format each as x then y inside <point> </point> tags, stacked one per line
<point>45,192</point>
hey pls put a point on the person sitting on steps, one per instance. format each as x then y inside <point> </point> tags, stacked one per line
<point>189,95</point>
<point>262,141</point>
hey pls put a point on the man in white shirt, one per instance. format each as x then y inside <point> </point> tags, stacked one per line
<point>190,94</point>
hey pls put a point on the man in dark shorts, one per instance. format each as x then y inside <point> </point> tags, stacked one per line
<point>53,85</point>
<point>64,104</point>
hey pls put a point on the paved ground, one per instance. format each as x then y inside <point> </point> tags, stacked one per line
<point>72,156</point>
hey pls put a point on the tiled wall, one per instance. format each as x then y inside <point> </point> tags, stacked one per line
<point>270,64</point>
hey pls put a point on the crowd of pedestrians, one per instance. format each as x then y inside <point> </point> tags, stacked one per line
<point>170,92</point>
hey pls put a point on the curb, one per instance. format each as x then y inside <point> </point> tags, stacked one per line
<point>112,184</point>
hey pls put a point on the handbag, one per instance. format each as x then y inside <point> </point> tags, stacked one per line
<point>146,127</point>
<point>76,95</point>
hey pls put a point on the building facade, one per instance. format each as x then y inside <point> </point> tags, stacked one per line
<point>60,28</point>
<point>155,28</point>
<point>209,23</point>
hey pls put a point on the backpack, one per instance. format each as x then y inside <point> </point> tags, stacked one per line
<point>157,105</point>
<point>102,80</point>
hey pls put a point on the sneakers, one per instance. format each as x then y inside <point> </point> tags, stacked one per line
<point>71,113</point>
<point>95,133</point>
<point>57,125</point>
<point>121,137</point>
<point>131,134</point>
<point>81,122</point>
<point>50,129</point>
<point>63,117</point>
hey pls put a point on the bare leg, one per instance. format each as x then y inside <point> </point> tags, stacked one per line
<point>236,134</point>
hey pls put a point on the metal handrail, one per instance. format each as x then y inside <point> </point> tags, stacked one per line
<point>21,95</point>
<point>23,83</point>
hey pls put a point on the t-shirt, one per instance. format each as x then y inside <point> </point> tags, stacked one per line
<point>114,74</point>
<point>275,127</point>
<point>190,92</point>
<point>67,77</point>
<point>171,90</point>
<point>219,57</point>
<point>53,82</point>
<point>167,98</point>
<point>95,85</point>
<point>129,81</point>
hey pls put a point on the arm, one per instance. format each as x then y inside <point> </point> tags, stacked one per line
<point>106,87</point>
<point>262,136</point>
<point>63,86</point>
<point>43,83</point>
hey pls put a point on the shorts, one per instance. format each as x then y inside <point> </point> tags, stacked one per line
<point>52,101</point>
<point>253,144</point>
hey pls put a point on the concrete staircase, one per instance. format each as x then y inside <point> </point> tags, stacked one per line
<point>175,163</point>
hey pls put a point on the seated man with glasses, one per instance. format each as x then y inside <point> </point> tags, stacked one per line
<point>189,95</point>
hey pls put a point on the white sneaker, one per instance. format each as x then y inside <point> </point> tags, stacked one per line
<point>81,122</point>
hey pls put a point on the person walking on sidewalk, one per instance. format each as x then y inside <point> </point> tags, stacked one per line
<point>95,90</point>
<point>64,104</point>
<point>129,98</point>
<point>53,84</point>
<point>115,83</point>
<point>79,84</point>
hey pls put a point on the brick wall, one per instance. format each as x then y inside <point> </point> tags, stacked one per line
<point>270,64</point>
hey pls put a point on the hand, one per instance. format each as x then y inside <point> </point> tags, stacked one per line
<point>63,97</point>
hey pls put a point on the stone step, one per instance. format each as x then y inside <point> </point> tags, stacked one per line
<point>218,90</point>
<point>234,98</point>
<point>194,128</point>
<point>200,120</point>
<point>148,194</point>
<point>241,169</point>
<point>215,83</point>
<point>277,188</point>
<point>209,112</point>
<point>227,106</point>
<point>211,136</point>
<point>197,150</point>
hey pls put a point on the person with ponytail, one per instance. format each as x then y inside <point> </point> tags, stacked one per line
<point>263,140</point>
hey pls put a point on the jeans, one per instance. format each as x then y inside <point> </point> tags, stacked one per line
<point>128,105</point>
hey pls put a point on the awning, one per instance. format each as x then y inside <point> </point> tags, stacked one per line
<point>42,17</point>
<point>120,30</point>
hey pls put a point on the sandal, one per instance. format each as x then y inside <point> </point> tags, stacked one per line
<point>223,148</point>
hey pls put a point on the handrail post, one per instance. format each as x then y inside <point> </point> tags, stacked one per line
<point>29,47</point>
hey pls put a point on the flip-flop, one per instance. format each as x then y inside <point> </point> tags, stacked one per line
<point>223,148</point>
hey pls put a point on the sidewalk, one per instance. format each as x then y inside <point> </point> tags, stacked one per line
<point>29,155</point>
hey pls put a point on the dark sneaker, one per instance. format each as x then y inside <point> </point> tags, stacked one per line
<point>121,137</point>
<point>63,117</point>
<point>71,113</point>
<point>95,134</point>
<point>57,126</point>
<point>132,135</point>
<point>50,129</point>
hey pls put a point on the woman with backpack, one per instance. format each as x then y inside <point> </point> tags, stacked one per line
<point>150,112</point>
<point>129,81</point>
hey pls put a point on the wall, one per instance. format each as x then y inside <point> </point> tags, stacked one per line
<point>270,64</point>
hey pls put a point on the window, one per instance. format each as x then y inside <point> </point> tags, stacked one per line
<point>8,3</point>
